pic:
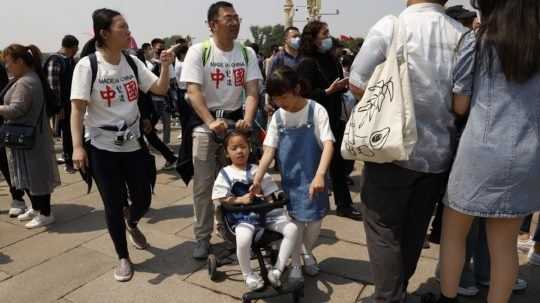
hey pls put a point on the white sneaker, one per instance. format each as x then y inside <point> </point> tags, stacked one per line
<point>274,276</point>
<point>17,208</point>
<point>39,221</point>
<point>254,281</point>
<point>525,245</point>
<point>534,258</point>
<point>28,215</point>
<point>470,291</point>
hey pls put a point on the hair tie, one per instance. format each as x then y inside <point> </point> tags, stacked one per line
<point>29,50</point>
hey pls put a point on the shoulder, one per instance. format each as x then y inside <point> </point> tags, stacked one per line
<point>198,48</point>
<point>455,26</point>
<point>318,109</point>
<point>83,62</point>
<point>384,26</point>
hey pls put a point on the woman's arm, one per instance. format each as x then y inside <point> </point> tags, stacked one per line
<point>267,158</point>
<point>318,183</point>
<point>161,87</point>
<point>461,105</point>
<point>80,159</point>
<point>20,101</point>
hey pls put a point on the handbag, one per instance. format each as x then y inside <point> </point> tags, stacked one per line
<point>382,126</point>
<point>18,136</point>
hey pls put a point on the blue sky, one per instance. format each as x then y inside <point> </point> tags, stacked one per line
<point>44,23</point>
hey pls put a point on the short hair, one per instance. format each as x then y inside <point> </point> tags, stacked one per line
<point>291,28</point>
<point>69,41</point>
<point>180,41</point>
<point>213,10</point>
<point>146,45</point>
<point>157,41</point>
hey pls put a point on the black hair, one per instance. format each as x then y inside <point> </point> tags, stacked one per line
<point>309,36</point>
<point>255,47</point>
<point>69,41</point>
<point>102,19</point>
<point>291,28</point>
<point>509,32</point>
<point>157,41</point>
<point>213,10</point>
<point>285,80</point>
<point>235,133</point>
<point>146,45</point>
<point>88,48</point>
<point>347,60</point>
<point>140,55</point>
<point>180,50</point>
<point>180,41</point>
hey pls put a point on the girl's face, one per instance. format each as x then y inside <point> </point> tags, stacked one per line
<point>118,36</point>
<point>14,67</point>
<point>323,34</point>
<point>238,150</point>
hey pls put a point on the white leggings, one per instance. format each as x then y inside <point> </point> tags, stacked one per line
<point>244,236</point>
<point>309,233</point>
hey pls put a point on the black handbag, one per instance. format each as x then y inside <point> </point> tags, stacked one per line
<point>18,136</point>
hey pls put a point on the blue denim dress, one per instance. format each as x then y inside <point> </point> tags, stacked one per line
<point>299,157</point>
<point>496,173</point>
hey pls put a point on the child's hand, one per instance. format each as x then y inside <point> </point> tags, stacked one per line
<point>255,189</point>
<point>245,199</point>
<point>317,186</point>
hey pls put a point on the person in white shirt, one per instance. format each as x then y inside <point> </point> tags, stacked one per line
<point>115,157</point>
<point>219,85</point>
<point>399,198</point>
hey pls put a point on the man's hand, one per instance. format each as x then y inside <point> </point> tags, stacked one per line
<point>243,124</point>
<point>166,58</point>
<point>218,126</point>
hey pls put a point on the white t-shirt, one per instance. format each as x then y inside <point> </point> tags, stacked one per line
<point>321,124</point>
<point>224,76</point>
<point>178,72</point>
<point>113,100</point>
<point>222,189</point>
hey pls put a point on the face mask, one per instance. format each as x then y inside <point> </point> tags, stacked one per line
<point>326,45</point>
<point>294,42</point>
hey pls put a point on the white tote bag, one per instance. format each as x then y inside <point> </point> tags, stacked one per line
<point>382,126</point>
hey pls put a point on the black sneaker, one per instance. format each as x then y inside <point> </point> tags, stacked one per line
<point>349,212</point>
<point>201,250</point>
<point>137,238</point>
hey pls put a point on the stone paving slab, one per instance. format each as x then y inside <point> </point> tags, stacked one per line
<point>139,290</point>
<point>14,232</point>
<point>46,245</point>
<point>53,279</point>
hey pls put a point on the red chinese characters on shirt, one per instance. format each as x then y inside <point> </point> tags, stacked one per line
<point>108,95</point>
<point>217,76</point>
<point>239,76</point>
<point>132,90</point>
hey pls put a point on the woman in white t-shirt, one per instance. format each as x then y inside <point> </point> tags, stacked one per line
<point>115,155</point>
<point>300,133</point>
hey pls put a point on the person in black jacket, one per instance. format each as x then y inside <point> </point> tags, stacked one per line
<point>323,71</point>
<point>18,206</point>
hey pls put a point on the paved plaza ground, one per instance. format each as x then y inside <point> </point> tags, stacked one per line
<point>73,260</point>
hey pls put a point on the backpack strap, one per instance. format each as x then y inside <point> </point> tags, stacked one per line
<point>207,50</point>
<point>244,50</point>
<point>132,64</point>
<point>93,67</point>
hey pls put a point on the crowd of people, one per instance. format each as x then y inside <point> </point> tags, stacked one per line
<point>471,175</point>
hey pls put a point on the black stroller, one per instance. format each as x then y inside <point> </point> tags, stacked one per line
<point>261,249</point>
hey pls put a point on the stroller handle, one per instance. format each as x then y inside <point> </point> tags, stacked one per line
<point>280,201</point>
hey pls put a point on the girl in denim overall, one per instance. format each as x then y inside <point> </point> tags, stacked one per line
<point>232,187</point>
<point>300,133</point>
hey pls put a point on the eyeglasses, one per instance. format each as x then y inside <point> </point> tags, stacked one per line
<point>230,19</point>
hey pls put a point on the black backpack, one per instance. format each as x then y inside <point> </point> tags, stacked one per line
<point>53,103</point>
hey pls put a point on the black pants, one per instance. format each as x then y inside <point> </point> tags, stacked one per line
<point>339,171</point>
<point>16,194</point>
<point>397,206</point>
<point>156,143</point>
<point>65,126</point>
<point>116,174</point>
<point>41,203</point>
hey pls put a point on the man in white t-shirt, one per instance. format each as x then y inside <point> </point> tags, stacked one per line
<point>220,74</point>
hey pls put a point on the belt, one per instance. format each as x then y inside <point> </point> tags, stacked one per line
<point>227,114</point>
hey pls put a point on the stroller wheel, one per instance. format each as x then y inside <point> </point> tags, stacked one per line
<point>212,267</point>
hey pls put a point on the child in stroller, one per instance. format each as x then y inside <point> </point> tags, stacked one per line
<point>232,188</point>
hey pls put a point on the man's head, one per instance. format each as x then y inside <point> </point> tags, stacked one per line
<point>441,2</point>
<point>148,51</point>
<point>70,45</point>
<point>292,37</point>
<point>158,45</point>
<point>223,20</point>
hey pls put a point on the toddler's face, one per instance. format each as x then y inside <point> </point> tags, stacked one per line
<point>238,150</point>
